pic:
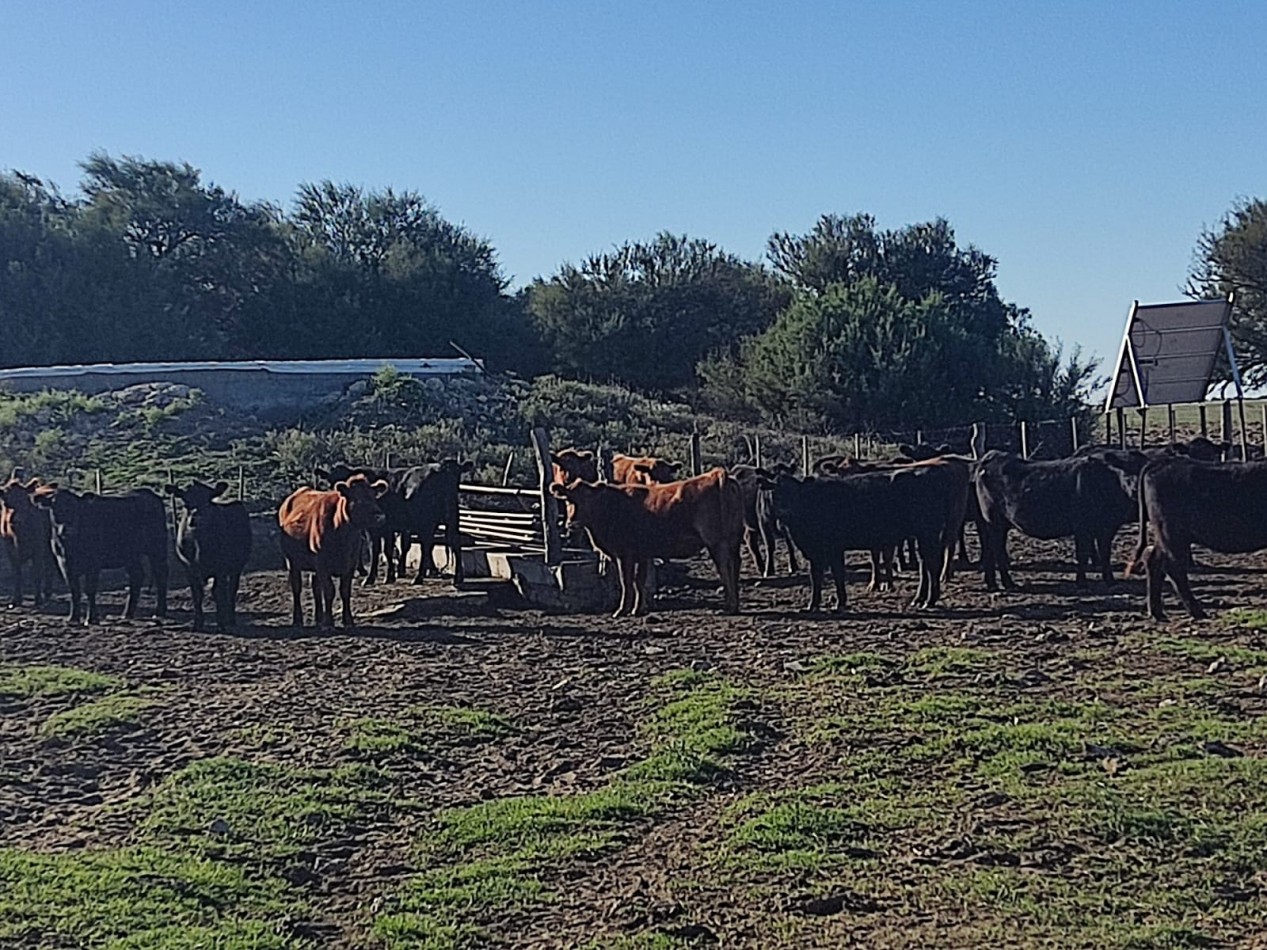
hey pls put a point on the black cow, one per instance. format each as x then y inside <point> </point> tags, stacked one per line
<point>1079,497</point>
<point>213,541</point>
<point>1185,502</point>
<point>91,532</point>
<point>762,527</point>
<point>872,511</point>
<point>429,498</point>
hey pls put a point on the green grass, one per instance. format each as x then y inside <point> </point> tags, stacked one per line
<point>99,716</point>
<point>271,810</point>
<point>26,682</point>
<point>138,897</point>
<point>942,661</point>
<point>419,726</point>
<point>489,858</point>
<point>462,721</point>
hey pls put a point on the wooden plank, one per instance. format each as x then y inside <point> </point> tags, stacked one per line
<point>499,490</point>
<point>549,504</point>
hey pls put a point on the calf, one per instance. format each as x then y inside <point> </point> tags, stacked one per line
<point>569,465</point>
<point>91,532</point>
<point>322,533</point>
<point>1079,497</point>
<point>632,524</point>
<point>24,531</point>
<point>213,541</point>
<point>762,527</point>
<point>870,511</point>
<point>382,540</point>
<point>1186,502</point>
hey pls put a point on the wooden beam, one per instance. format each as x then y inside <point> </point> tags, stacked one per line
<point>551,541</point>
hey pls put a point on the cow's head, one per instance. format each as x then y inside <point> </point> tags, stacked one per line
<point>656,471</point>
<point>579,500</point>
<point>571,465</point>
<point>198,495</point>
<point>360,498</point>
<point>922,452</point>
<point>63,506</point>
<point>1203,449</point>
<point>339,472</point>
<point>456,469</point>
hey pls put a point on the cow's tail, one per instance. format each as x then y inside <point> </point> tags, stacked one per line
<point>1142,544</point>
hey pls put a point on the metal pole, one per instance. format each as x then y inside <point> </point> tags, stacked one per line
<point>1073,432</point>
<point>1024,440</point>
<point>857,446</point>
<point>804,456</point>
<point>1240,406</point>
<point>98,480</point>
<point>1143,425</point>
<point>756,448</point>
<point>241,483</point>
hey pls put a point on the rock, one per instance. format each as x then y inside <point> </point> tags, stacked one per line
<point>1217,666</point>
<point>1214,747</point>
<point>219,828</point>
<point>701,666</point>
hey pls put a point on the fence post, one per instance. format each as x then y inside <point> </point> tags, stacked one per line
<point>1143,425</point>
<point>804,456</point>
<point>1170,421</point>
<point>606,460</point>
<point>978,440</point>
<point>1121,427</point>
<point>1108,428</point>
<point>756,448</point>
<point>1073,432</point>
<point>98,481</point>
<point>696,456</point>
<point>857,446</point>
<point>1024,440</point>
<point>919,436</point>
<point>1205,431</point>
<point>1225,422</point>
<point>549,504</point>
<point>1240,405</point>
<point>241,483</point>
<point>510,460</point>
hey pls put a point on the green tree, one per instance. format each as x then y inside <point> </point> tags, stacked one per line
<point>1232,258</point>
<point>646,313</point>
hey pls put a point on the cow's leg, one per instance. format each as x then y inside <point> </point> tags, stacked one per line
<point>642,567</point>
<point>752,541</point>
<point>873,585</point>
<point>1155,580</point>
<point>931,555</point>
<point>625,570</point>
<point>375,548</point>
<point>219,594</point>
<point>74,583</point>
<point>815,586</point>
<point>90,594</point>
<point>296,592</point>
<point>425,539</point>
<point>15,562</point>
<point>453,536</point>
<point>197,587</point>
<point>1083,553</point>
<point>327,598</point>
<point>1176,567</point>
<point>233,581</point>
<point>1104,554</point>
<point>1003,560</point>
<point>792,566</point>
<point>769,540</point>
<point>726,560</point>
<point>838,578</point>
<point>136,580</point>
<point>39,578</point>
<point>158,571</point>
<point>345,596</point>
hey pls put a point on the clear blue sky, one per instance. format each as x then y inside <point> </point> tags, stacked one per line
<point>1082,144</point>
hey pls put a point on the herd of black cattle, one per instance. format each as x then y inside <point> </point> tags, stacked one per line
<point>910,510</point>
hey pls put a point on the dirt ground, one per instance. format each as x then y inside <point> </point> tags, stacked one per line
<point>575,688</point>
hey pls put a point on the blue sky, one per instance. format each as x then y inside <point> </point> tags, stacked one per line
<point>1083,145</point>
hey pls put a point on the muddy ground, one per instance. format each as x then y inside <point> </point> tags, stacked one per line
<point>575,688</point>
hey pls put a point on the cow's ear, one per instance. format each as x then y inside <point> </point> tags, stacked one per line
<point>586,454</point>
<point>380,488</point>
<point>219,489</point>
<point>559,490</point>
<point>341,488</point>
<point>556,458</point>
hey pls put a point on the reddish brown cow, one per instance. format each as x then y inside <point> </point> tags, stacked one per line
<point>570,465</point>
<point>322,533</point>
<point>24,531</point>
<point>632,524</point>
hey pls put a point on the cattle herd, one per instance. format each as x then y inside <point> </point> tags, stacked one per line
<point>908,512</point>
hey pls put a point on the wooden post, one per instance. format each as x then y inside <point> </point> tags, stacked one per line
<point>756,448</point>
<point>1225,422</point>
<point>694,450</point>
<point>919,436</point>
<point>171,480</point>
<point>387,459</point>
<point>1108,428</point>
<point>1073,432</point>
<point>1170,421</point>
<point>1205,430</point>
<point>510,460</point>
<point>857,446</point>
<point>1024,440</point>
<point>1143,425</point>
<point>549,504</point>
<point>804,456</point>
<point>1240,406</point>
<point>98,481</point>
<point>1121,427</point>
<point>241,483</point>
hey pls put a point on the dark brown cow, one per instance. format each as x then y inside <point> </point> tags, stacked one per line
<point>322,534</point>
<point>632,524</point>
<point>570,465</point>
<point>24,531</point>
<point>1220,506</point>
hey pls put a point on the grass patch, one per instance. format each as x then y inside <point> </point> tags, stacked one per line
<point>138,897</point>
<point>27,682</point>
<point>1204,651</point>
<point>489,858</point>
<point>268,810</point>
<point>377,738</point>
<point>464,722</point>
<point>936,662</point>
<point>1244,618</point>
<point>99,716</point>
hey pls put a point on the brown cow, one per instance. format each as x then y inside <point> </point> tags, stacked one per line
<point>632,524</point>
<point>569,465</point>
<point>322,533</point>
<point>24,531</point>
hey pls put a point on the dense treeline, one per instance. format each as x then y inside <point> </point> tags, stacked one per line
<point>842,327</point>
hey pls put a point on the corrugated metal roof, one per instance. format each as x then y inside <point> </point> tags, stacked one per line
<point>361,367</point>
